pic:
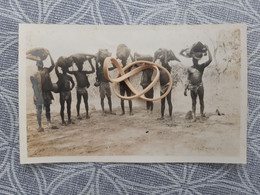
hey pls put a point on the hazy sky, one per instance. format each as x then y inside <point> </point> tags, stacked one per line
<point>63,40</point>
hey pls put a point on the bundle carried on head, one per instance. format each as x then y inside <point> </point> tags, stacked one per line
<point>165,54</point>
<point>138,57</point>
<point>122,52</point>
<point>197,50</point>
<point>64,62</point>
<point>37,54</point>
<point>102,54</point>
<point>80,58</point>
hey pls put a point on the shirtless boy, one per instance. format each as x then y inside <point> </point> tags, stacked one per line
<point>195,73</point>
<point>64,81</point>
<point>82,84</point>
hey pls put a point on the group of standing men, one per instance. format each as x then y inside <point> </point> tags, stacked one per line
<point>43,87</point>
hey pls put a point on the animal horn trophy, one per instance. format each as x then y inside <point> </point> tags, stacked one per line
<point>123,77</point>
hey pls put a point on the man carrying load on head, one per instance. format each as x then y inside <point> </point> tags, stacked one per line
<point>195,73</point>
<point>42,84</point>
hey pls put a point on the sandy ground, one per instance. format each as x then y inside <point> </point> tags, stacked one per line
<point>140,134</point>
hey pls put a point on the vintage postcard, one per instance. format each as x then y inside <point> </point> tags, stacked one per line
<point>69,110</point>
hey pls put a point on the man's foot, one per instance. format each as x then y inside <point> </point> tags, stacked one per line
<point>40,129</point>
<point>64,123</point>
<point>202,115</point>
<point>162,118</point>
<point>50,126</point>
<point>79,117</point>
<point>113,113</point>
<point>122,114</point>
<point>193,120</point>
<point>131,113</point>
<point>87,116</point>
<point>103,114</point>
<point>70,122</point>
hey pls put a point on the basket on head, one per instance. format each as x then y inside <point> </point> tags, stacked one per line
<point>80,58</point>
<point>64,62</point>
<point>102,54</point>
<point>122,52</point>
<point>37,54</point>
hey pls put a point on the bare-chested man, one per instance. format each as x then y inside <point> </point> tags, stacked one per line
<point>65,88</point>
<point>42,86</point>
<point>82,84</point>
<point>195,73</point>
<point>165,56</point>
<point>146,79</point>
<point>104,87</point>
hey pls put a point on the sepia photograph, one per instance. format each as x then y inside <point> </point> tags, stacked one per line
<point>145,94</point>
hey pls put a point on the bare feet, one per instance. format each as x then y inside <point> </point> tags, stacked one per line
<point>87,116</point>
<point>64,123</point>
<point>193,120</point>
<point>70,122</point>
<point>112,113</point>
<point>162,118</point>
<point>40,129</point>
<point>79,117</point>
<point>131,113</point>
<point>122,114</point>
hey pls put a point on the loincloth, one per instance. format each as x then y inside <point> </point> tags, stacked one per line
<point>82,90</point>
<point>195,88</point>
<point>65,95</point>
<point>164,88</point>
<point>104,90</point>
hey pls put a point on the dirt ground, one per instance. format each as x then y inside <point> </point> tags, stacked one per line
<point>140,134</point>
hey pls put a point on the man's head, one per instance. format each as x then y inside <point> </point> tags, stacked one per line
<point>39,65</point>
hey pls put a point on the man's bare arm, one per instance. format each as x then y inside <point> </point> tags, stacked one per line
<point>210,58</point>
<point>52,63</point>
<point>72,82</point>
<point>112,68</point>
<point>92,68</point>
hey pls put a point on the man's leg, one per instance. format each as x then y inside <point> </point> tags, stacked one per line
<point>69,109</point>
<point>193,95</point>
<point>102,96</point>
<point>39,117</point>
<point>62,102</point>
<point>169,101</point>
<point>201,97</point>
<point>78,105</point>
<point>128,93</point>
<point>48,112</point>
<point>162,107</point>
<point>122,92</point>
<point>85,97</point>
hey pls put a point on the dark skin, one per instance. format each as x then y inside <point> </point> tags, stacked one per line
<point>65,95</point>
<point>163,81</point>
<point>195,74</point>
<point>82,81</point>
<point>43,69</point>
<point>101,78</point>
<point>124,89</point>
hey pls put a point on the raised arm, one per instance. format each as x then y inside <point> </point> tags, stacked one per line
<point>92,68</point>
<point>56,70</point>
<point>52,63</point>
<point>184,53</point>
<point>210,58</point>
<point>72,82</point>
